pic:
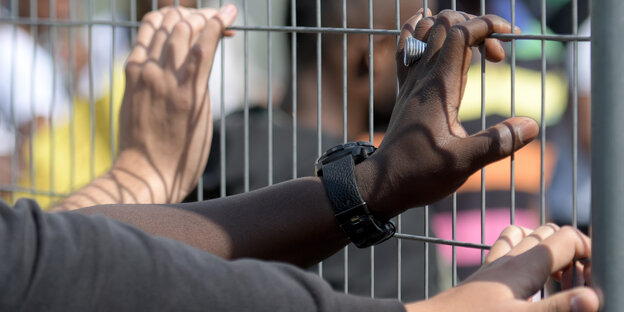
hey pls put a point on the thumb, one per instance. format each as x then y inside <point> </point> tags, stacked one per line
<point>498,141</point>
<point>577,300</point>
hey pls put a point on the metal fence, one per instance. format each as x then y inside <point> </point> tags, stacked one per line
<point>78,141</point>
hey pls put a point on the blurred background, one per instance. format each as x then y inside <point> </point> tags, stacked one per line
<point>62,80</point>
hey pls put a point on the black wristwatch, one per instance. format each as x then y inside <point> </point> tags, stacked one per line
<point>353,216</point>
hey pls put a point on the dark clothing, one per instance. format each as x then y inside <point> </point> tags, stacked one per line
<point>412,252</point>
<point>72,262</point>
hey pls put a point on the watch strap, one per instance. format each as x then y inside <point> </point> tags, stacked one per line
<point>340,183</point>
<point>352,213</point>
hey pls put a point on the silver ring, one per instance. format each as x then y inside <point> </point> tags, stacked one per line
<point>413,50</point>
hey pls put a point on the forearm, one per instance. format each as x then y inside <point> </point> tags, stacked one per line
<point>291,221</point>
<point>131,181</point>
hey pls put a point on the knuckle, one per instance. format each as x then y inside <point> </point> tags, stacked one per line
<point>446,13</point>
<point>173,14</point>
<point>512,229</point>
<point>133,71</point>
<point>553,226</point>
<point>152,17</point>
<point>451,16</point>
<point>458,32</point>
<point>568,230</point>
<point>181,29</point>
<point>150,72</point>
<point>165,10</point>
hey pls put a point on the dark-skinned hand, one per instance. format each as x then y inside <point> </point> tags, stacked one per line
<point>426,153</point>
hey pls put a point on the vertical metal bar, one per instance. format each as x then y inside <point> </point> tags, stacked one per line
<point>607,152</point>
<point>319,93</point>
<point>426,279</point>
<point>371,81</point>
<point>454,213</point>
<point>575,116</point>
<point>543,127</point>
<point>133,18</point>
<point>397,5</point>
<point>543,120</point>
<point>270,93</point>
<point>72,127</point>
<point>223,120</point>
<point>246,100</point>
<point>574,125</point>
<point>454,235</point>
<point>512,211</point>
<point>344,122</point>
<point>91,92</point>
<point>344,73</point>
<point>319,81</point>
<point>154,5</point>
<point>15,155</point>
<point>52,31</point>
<point>175,3</point>
<point>34,34</point>
<point>293,19</point>
<point>426,264</point>
<point>483,125</point>
<point>371,129</point>
<point>111,102</point>
<point>200,182</point>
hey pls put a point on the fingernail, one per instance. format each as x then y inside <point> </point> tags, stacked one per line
<point>227,10</point>
<point>576,304</point>
<point>420,10</point>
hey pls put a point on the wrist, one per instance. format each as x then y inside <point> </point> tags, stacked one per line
<point>374,187</point>
<point>139,179</point>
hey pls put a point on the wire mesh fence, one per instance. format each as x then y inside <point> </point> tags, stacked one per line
<point>299,77</point>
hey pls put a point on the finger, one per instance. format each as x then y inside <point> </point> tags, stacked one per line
<point>184,34</point>
<point>163,34</point>
<point>570,278</point>
<point>444,22</point>
<point>423,27</point>
<point>406,31</point>
<point>558,250</point>
<point>536,237</point>
<point>202,52</point>
<point>470,33</point>
<point>494,51</point>
<point>496,142</point>
<point>587,271</point>
<point>577,299</point>
<point>151,22</point>
<point>510,237</point>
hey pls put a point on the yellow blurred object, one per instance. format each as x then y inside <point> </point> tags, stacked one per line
<point>528,93</point>
<point>55,170</point>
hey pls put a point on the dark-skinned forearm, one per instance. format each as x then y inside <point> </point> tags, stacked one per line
<point>291,221</point>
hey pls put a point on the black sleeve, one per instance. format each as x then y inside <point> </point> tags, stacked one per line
<point>72,262</point>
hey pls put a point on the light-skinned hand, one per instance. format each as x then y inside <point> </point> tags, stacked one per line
<point>516,268</point>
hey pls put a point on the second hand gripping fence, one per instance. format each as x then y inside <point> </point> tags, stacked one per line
<point>77,152</point>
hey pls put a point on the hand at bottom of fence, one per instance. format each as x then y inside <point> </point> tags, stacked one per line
<point>516,268</point>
